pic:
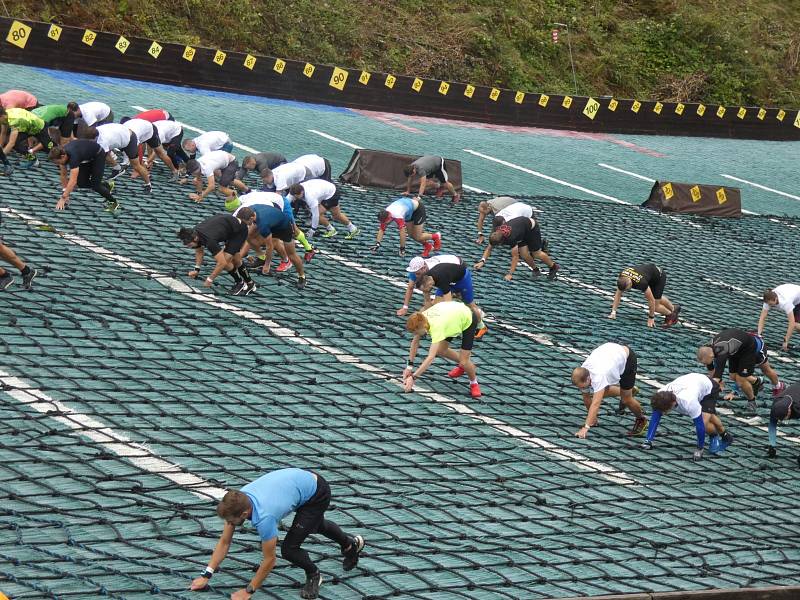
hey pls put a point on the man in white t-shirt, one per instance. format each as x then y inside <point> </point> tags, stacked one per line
<point>111,137</point>
<point>208,142</point>
<point>148,136</point>
<point>282,177</point>
<point>493,207</point>
<point>316,166</point>
<point>218,167</point>
<point>170,134</point>
<point>321,196</point>
<point>609,371</point>
<point>787,297</point>
<point>694,395</point>
<point>90,113</point>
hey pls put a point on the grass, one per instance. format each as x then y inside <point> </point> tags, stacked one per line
<point>734,52</point>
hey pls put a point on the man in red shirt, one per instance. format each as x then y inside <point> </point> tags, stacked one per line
<point>18,99</point>
<point>155,114</point>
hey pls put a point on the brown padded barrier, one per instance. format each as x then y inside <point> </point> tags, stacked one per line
<point>694,198</point>
<point>377,168</point>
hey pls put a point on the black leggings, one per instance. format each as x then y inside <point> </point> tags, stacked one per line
<point>90,175</point>
<point>310,518</point>
<point>3,158</point>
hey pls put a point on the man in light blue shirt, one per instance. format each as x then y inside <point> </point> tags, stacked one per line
<point>265,502</point>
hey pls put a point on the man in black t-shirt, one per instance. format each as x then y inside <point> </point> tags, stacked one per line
<point>651,280</point>
<point>744,352</point>
<point>86,161</point>
<point>224,237</point>
<point>523,236</point>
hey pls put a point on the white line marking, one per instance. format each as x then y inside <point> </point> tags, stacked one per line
<point>581,462</point>
<point>642,177</point>
<point>761,187</point>
<point>97,431</point>
<point>631,173</point>
<point>732,287</point>
<point>474,189</point>
<point>547,177</point>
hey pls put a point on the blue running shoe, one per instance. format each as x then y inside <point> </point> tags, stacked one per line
<point>714,444</point>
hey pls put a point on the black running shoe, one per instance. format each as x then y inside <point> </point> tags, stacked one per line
<point>28,278</point>
<point>351,555</point>
<point>6,280</point>
<point>301,283</point>
<point>311,588</point>
<point>248,289</point>
<point>237,288</point>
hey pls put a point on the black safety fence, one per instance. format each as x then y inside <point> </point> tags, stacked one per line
<point>84,50</point>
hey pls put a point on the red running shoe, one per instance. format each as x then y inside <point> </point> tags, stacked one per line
<point>475,390</point>
<point>284,266</point>
<point>426,249</point>
<point>309,255</point>
<point>456,372</point>
<point>437,240</point>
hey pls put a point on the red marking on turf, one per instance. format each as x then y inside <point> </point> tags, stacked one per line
<point>392,119</point>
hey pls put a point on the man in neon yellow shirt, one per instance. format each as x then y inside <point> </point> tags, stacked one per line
<point>20,121</point>
<point>444,321</point>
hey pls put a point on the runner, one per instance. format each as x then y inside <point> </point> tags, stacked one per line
<point>259,162</point>
<point>429,166</point>
<point>785,407</point>
<point>316,167</point>
<point>86,161</point>
<point>524,237</point>
<point>651,280</point>
<point>321,196</point>
<point>745,352</point>
<point>207,166</point>
<point>265,502</point>
<point>223,236</point>
<point>207,142</point>
<point>695,395</point>
<point>271,226</point>
<point>787,297</point>
<point>443,321</point>
<point>492,207</point>
<point>90,113</point>
<point>146,133</point>
<point>609,371</point>
<point>410,216</point>
<point>9,256</point>
<point>282,177</point>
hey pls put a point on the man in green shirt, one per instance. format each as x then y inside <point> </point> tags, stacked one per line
<point>444,321</point>
<point>58,124</point>
<point>21,124</point>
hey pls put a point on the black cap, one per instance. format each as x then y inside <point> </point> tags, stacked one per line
<point>779,408</point>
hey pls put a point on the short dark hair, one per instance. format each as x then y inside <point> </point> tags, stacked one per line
<point>265,172</point>
<point>663,400</point>
<point>497,221</point>
<point>192,166</point>
<point>233,504</point>
<point>73,106</point>
<point>496,237</point>
<point>247,158</point>
<point>407,170</point>
<point>186,235</point>
<point>770,296</point>
<point>296,190</point>
<point>56,152</point>
<point>124,119</point>
<point>383,215</point>
<point>245,213</point>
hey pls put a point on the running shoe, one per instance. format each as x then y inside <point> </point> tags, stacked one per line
<point>757,385</point>
<point>124,160</point>
<point>237,288</point>
<point>309,255</point>
<point>254,262</point>
<point>352,554</point>
<point>352,234</point>
<point>116,173</point>
<point>752,408</point>
<point>672,318</point>
<point>535,272</point>
<point>727,440</point>
<point>426,249</point>
<point>248,288</point>
<point>284,266</point>
<point>481,332</point>
<point>639,426</point>
<point>456,198</point>
<point>778,389</point>
<point>437,241</point>
<point>330,233</point>
<point>551,274</point>
<point>148,188</point>
<point>311,588</point>
<point>28,278</point>
<point>475,390</point>
<point>7,170</point>
<point>713,444</point>
<point>6,280</point>
<point>301,283</point>
<point>112,206</point>
<point>456,372</point>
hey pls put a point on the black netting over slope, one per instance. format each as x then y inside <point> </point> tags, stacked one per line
<point>107,365</point>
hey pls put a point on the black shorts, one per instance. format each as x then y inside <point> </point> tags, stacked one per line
<point>628,378</point>
<point>284,235</point>
<point>154,141</point>
<point>108,119</point>
<point>534,239</point>
<point>657,286</point>
<point>709,402</point>
<point>132,149</point>
<point>440,174</point>
<point>419,216</point>
<point>797,314</point>
<point>745,364</point>
<point>468,335</point>
<point>174,141</point>
<point>332,201</point>
<point>232,246</point>
<point>326,175</point>
<point>229,173</point>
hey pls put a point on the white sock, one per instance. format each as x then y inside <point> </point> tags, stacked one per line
<point>473,381</point>
<point>351,227</point>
